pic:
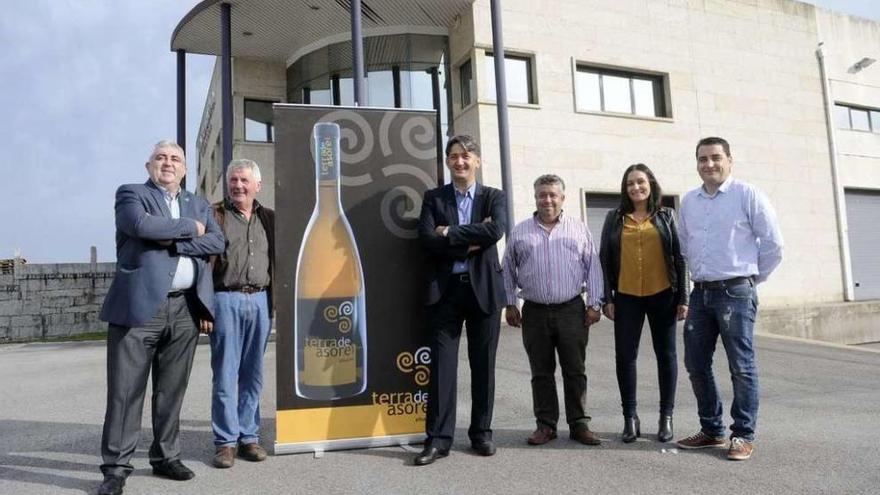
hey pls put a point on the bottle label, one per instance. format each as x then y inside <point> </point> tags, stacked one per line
<point>327,161</point>
<point>329,341</point>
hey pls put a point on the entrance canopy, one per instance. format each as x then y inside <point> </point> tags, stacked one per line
<point>279,29</point>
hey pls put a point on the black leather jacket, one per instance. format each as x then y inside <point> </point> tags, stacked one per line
<point>609,253</point>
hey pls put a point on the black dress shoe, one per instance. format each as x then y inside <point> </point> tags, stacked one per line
<point>632,429</point>
<point>429,455</point>
<point>664,432</point>
<point>174,470</point>
<point>112,485</point>
<point>484,447</point>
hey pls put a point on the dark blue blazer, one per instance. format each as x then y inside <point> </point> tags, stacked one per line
<point>145,268</point>
<point>439,208</point>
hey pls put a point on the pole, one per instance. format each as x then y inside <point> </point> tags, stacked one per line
<point>357,51</point>
<point>181,104</point>
<point>226,86</point>
<point>501,103</point>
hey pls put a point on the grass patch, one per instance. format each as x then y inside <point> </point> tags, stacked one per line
<point>82,337</point>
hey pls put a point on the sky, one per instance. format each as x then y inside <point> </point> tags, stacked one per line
<point>87,87</point>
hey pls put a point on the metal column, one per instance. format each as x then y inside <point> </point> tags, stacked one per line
<point>357,52</point>
<point>226,85</point>
<point>501,103</point>
<point>181,104</point>
<point>435,93</point>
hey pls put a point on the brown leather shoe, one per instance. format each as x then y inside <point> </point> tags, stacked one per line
<point>541,435</point>
<point>224,457</point>
<point>582,434</point>
<point>252,452</point>
<point>700,440</point>
<point>740,449</point>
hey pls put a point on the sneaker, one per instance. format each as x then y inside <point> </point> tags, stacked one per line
<point>700,440</point>
<point>740,449</point>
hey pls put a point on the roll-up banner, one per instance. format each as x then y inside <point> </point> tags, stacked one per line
<point>351,330</point>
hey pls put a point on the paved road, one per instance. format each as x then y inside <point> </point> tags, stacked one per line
<point>820,417</point>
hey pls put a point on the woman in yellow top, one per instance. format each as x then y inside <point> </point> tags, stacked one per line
<point>645,275</point>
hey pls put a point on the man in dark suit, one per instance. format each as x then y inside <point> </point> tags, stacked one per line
<point>459,226</point>
<point>162,288</point>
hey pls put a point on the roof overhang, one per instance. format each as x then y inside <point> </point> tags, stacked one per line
<point>282,30</point>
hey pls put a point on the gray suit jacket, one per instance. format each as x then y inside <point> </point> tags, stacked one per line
<point>144,268</point>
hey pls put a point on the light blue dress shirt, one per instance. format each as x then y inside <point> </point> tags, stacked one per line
<point>731,234</point>
<point>465,205</point>
<point>185,275</point>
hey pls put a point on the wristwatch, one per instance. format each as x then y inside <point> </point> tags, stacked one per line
<point>597,308</point>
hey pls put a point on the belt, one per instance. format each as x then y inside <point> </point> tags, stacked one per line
<point>723,284</point>
<point>553,306</point>
<point>245,289</point>
<point>178,293</point>
<point>464,278</point>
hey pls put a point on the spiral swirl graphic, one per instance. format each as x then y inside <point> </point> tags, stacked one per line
<point>346,308</point>
<point>352,151</point>
<point>421,375</point>
<point>395,208</point>
<point>423,355</point>
<point>344,324</point>
<point>401,205</point>
<point>331,313</point>
<point>405,362</point>
<point>416,135</point>
<point>385,132</point>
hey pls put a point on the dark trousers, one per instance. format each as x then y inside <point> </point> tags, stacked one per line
<point>459,306</point>
<point>629,318</point>
<point>166,345</point>
<point>548,331</point>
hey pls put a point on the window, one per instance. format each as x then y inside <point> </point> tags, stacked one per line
<point>380,88</point>
<point>258,126</point>
<point>856,118</point>
<point>518,71</point>
<point>616,91</point>
<point>466,83</point>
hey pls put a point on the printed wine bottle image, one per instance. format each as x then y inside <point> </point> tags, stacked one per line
<point>329,314</point>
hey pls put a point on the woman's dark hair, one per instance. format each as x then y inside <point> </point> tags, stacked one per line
<point>626,204</point>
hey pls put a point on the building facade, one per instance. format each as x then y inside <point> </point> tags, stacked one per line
<point>594,86</point>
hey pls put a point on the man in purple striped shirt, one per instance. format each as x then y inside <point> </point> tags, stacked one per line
<point>552,260</point>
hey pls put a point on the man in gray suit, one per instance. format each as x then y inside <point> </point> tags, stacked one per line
<point>162,288</point>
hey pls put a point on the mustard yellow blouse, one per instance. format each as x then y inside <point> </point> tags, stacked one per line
<point>642,267</point>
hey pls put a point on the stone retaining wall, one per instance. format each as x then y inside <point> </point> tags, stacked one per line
<point>39,301</point>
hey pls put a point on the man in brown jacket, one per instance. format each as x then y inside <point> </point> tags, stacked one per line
<point>242,315</point>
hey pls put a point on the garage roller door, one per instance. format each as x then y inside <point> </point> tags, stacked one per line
<point>862,211</point>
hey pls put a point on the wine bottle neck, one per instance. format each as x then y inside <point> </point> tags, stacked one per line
<point>328,196</point>
<point>327,167</point>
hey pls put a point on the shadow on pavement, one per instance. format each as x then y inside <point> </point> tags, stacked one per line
<point>71,452</point>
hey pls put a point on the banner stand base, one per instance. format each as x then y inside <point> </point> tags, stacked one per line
<point>319,447</point>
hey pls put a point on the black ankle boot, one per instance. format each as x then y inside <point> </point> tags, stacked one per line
<point>664,432</point>
<point>632,428</point>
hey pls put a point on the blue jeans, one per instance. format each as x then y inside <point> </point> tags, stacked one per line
<point>730,313</point>
<point>238,342</point>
